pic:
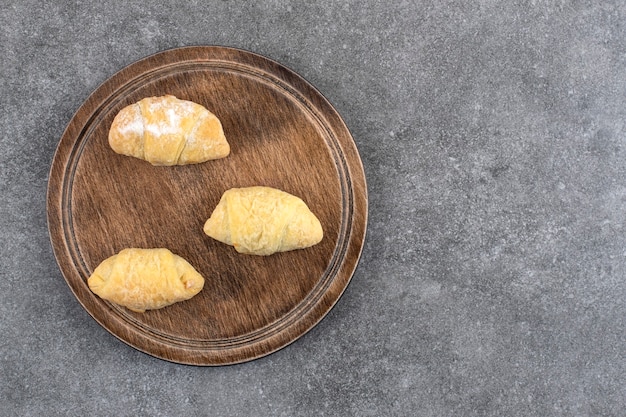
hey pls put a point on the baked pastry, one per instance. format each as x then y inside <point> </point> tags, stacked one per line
<point>145,279</point>
<point>168,131</point>
<point>262,221</point>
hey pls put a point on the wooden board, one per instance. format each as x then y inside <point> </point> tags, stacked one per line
<point>283,133</point>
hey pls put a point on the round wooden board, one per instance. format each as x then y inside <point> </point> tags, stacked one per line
<point>283,133</point>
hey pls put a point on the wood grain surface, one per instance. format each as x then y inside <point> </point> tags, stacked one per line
<point>283,133</point>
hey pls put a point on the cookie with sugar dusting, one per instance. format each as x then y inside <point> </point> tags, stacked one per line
<point>168,131</point>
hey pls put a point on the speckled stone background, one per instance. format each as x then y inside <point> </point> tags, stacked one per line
<point>493,278</point>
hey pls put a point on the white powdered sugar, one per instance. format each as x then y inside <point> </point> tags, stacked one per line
<point>173,116</point>
<point>133,125</point>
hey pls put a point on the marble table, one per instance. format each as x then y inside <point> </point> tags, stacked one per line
<point>492,281</point>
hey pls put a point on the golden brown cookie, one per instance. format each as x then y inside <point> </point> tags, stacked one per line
<point>262,221</point>
<point>168,131</point>
<point>145,279</point>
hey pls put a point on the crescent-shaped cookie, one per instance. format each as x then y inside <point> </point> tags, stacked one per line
<point>263,221</point>
<point>168,131</point>
<point>145,279</point>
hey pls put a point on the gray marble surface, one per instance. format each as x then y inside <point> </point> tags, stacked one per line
<point>493,278</point>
